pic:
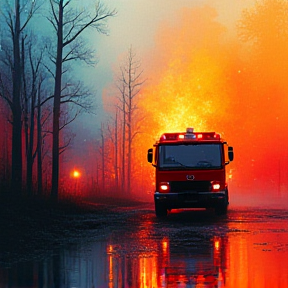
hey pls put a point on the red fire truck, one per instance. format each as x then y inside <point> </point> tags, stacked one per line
<point>190,171</point>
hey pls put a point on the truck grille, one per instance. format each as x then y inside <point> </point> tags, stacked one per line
<point>190,186</point>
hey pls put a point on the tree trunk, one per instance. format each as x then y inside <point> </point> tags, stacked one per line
<point>123,145</point>
<point>17,111</point>
<point>30,159</point>
<point>39,147</point>
<point>25,116</point>
<point>116,152</point>
<point>29,127</point>
<point>56,106</point>
<point>129,124</point>
<point>103,158</point>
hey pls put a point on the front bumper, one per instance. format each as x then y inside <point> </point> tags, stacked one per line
<point>191,200</point>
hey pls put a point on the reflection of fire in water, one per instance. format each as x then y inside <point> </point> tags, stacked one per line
<point>257,259</point>
<point>110,261</point>
<point>148,272</point>
<point>165,247</point>
<point>202,268</point>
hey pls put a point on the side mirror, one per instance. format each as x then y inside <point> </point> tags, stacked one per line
<point>150,155</point>
<point>230,153</point>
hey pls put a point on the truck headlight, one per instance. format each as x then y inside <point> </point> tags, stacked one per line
<point>215,186</point>
<point>164,187</point>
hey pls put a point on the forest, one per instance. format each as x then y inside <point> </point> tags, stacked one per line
<point>200,73</point>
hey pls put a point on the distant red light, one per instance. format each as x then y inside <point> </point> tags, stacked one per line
<point>76,174</point>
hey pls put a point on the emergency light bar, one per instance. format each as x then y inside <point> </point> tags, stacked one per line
<point>189,135</point>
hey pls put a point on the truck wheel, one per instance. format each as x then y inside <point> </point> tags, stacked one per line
<point>221,209</point>
<point>160,210</point>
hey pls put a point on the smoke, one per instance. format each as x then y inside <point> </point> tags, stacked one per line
<point>202,75</point>
<point>219,66</point>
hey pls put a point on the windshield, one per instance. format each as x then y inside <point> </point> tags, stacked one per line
<point>196,156</point>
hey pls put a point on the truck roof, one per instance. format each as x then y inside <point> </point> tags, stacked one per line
<point>190,137</point>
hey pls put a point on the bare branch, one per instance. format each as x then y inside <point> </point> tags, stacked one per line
<point>31,12</point>
<point>63,148</point>
<point>95,22</point>
<point>67,122</point>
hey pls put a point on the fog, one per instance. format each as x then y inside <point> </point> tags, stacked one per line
<point>212,65</point>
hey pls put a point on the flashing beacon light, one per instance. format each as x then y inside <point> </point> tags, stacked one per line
<point>190,130</point>
<point>200,136</point>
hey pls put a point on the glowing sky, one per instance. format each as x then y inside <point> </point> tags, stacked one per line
<point>137,23</point>
<point>200,72</point>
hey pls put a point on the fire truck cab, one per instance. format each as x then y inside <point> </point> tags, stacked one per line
<point>190,171</point>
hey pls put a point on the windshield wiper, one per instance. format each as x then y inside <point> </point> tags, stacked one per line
<point>182,165</point>
<point>203,164</point>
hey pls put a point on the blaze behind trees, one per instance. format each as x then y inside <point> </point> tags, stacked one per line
<point>213,76</point>
<point>237,86</point>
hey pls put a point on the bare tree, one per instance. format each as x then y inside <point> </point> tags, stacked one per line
<point>39,139</point>
<point>69,24</point>
<point>5,145</point>
<point>32,80</point>
<point>129,85</point>
<point>16,18</point>
<point>122,88</point>
<point>103,152</point>
<point>113,135</point>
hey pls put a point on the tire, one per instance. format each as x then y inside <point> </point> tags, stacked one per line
<point>221,209</point>
<point>160,210</point>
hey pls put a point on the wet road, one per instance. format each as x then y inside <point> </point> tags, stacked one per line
<point>190,248</point>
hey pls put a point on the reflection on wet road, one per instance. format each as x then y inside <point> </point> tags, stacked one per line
<point>246,248</point>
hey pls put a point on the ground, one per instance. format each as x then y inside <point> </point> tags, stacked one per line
<point>111,242</point>
<point>31,227</point>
